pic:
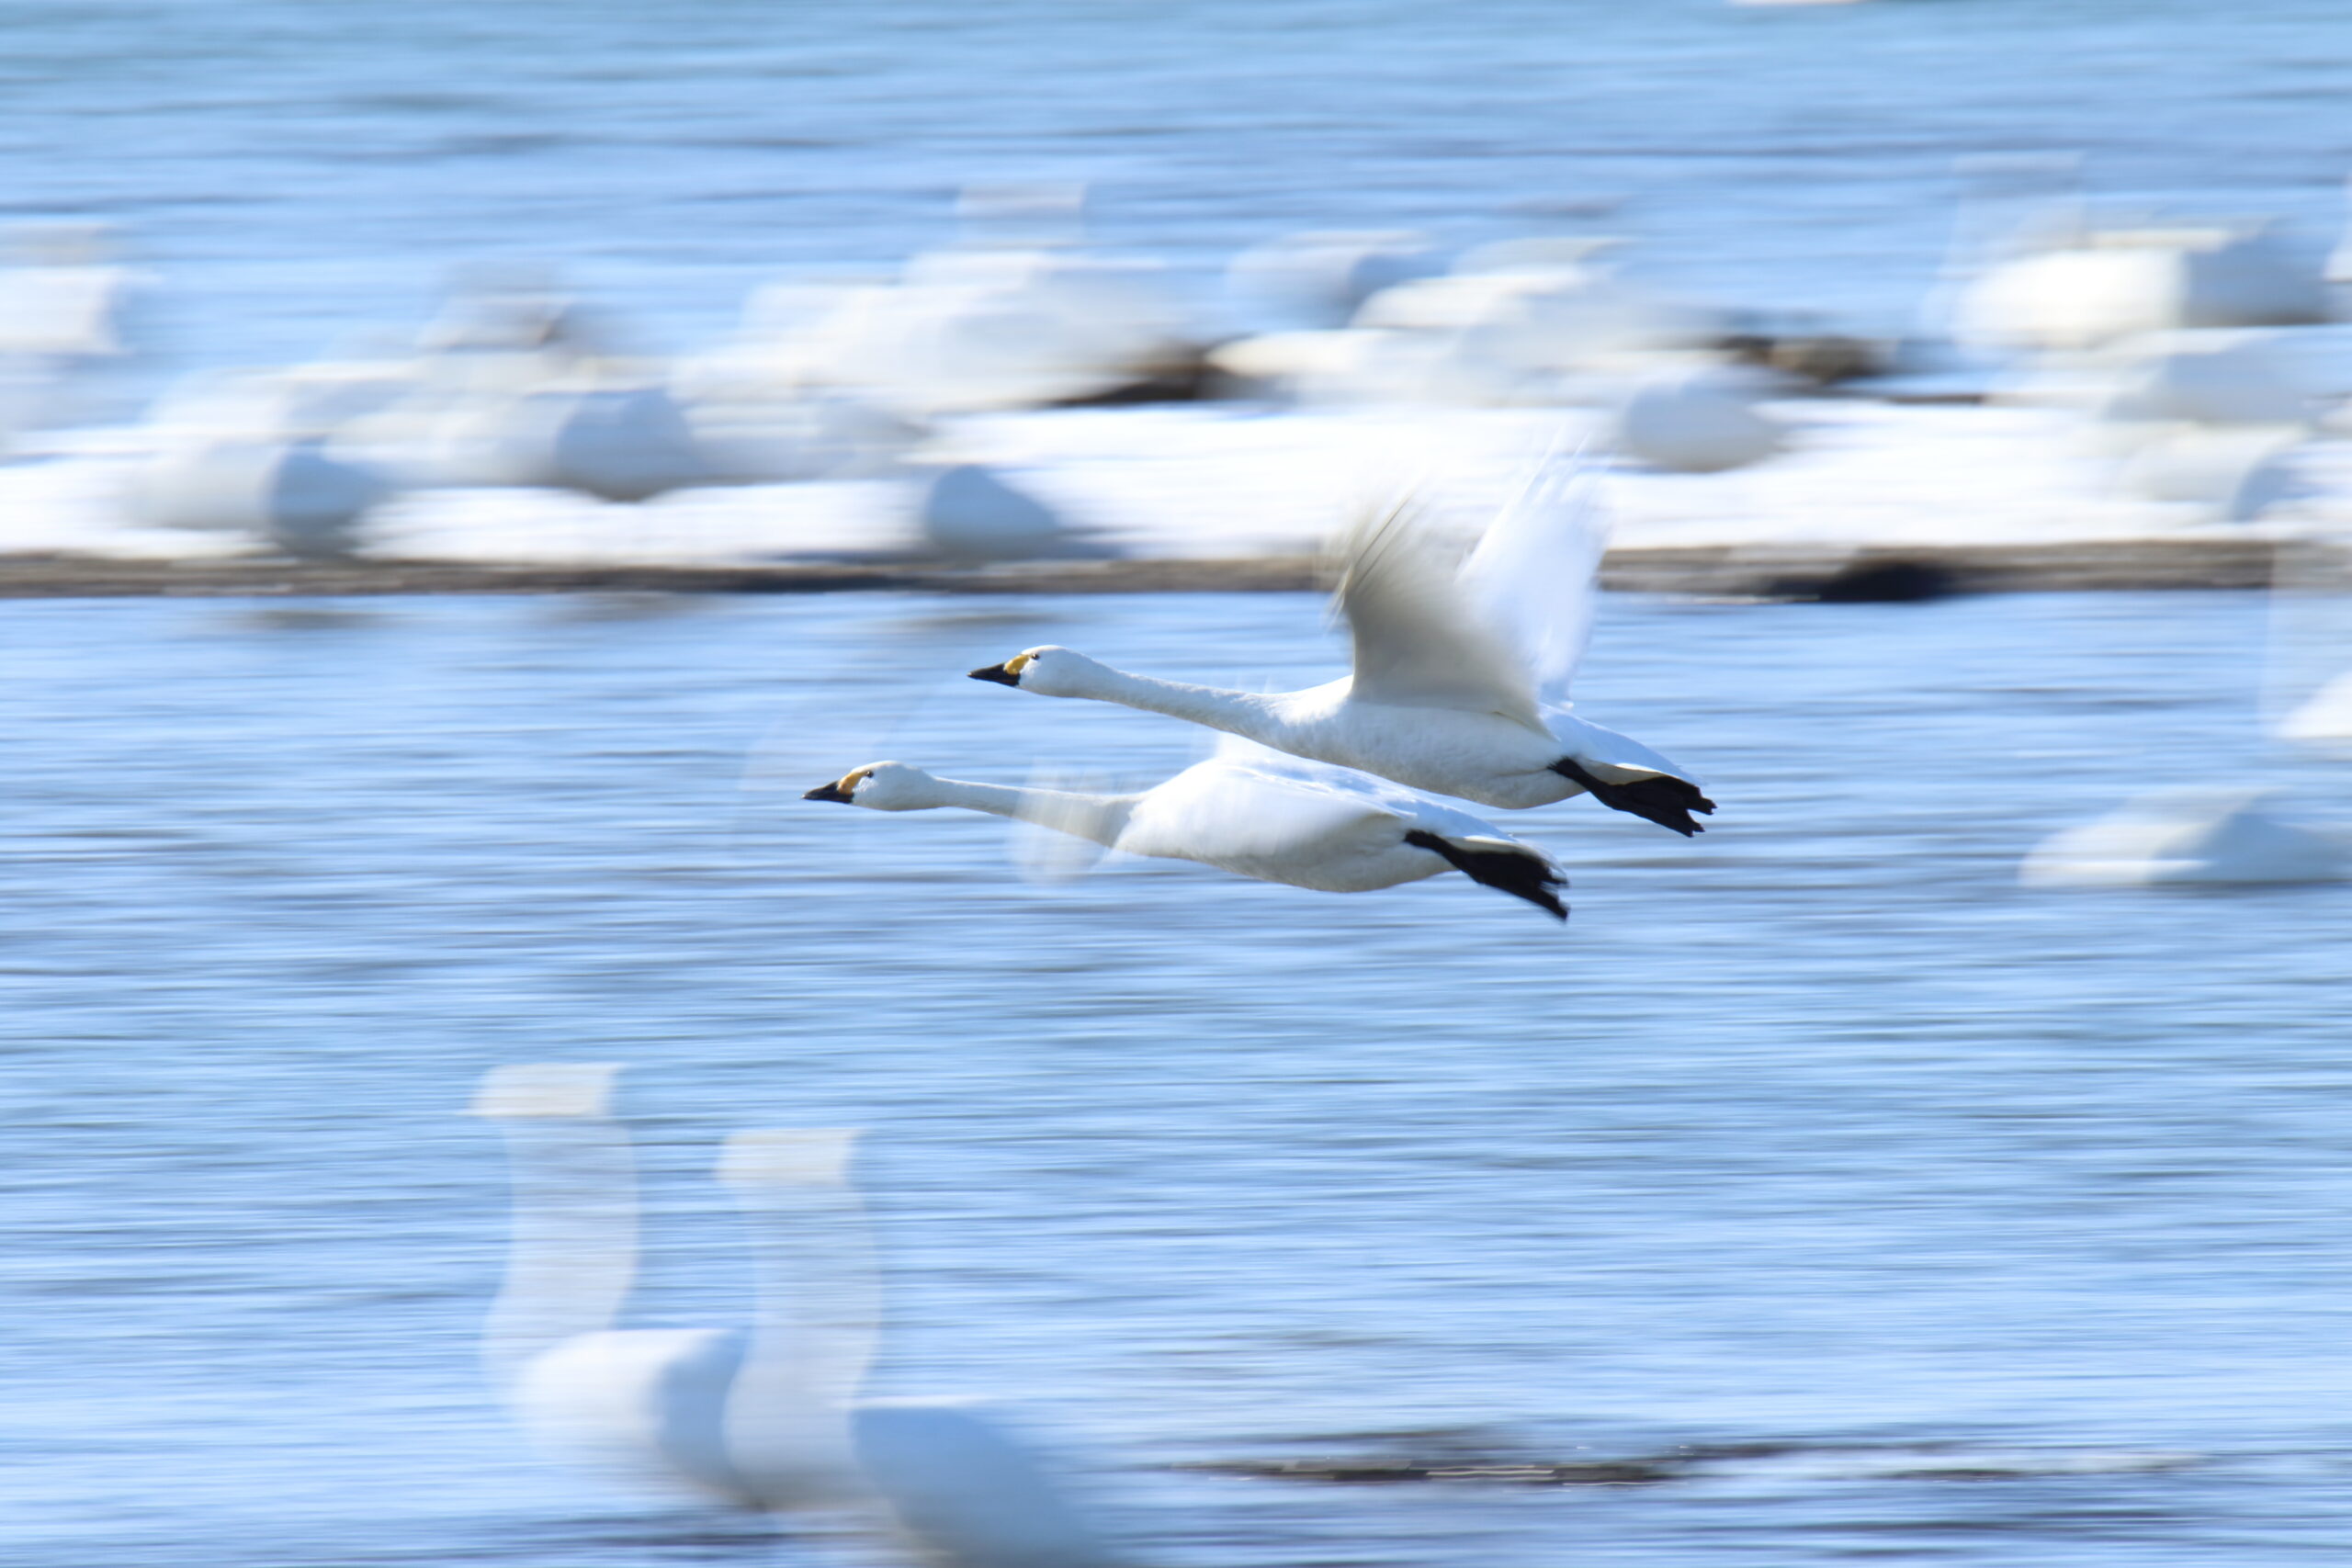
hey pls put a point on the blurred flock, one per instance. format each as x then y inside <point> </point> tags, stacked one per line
<point>2079,371</point>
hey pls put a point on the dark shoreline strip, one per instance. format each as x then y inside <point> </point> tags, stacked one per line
<point>1749,573</point>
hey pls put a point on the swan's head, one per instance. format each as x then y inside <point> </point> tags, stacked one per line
<point>879,786</point>
<point>1049,671</point>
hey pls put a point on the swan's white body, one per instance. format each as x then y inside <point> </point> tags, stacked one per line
<point>1461,676</point>
<point>1252,813</point>
<point>762,1417</point>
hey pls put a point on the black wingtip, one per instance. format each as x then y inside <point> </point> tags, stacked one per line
<point>1658,797</point>
<point>1522,873</point>
<point>998,673</point>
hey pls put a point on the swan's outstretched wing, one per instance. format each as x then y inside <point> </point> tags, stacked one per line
<point>1326,787</point>
<point>1589,742</point>
<point>1419,640</point>
<point>1531,576</point>
<point>972,1496</point>
<point>1475,848</point>
<point>1268,807</point>
<point>1261,768</point>
<point>1249,803</point>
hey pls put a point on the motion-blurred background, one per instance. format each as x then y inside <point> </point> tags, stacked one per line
<point>1943,1158</point>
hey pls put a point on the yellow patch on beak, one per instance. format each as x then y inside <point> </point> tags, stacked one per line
<point>1018,662</point>
<point>850,784</point>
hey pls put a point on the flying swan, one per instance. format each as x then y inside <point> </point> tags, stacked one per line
<point>1255,814</point>
<point>1461,674</point>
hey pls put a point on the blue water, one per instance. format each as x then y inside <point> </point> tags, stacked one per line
<point>1942,1219</point>
<point>296,174</point>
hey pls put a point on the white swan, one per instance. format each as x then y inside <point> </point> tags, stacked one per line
<point>762,1417</point>
<point>2087,287</point>
<point>1699,420</point>
<point>292,493</point>
<point>2186,837</point>
<point>1262,815</point>
<point>245,453</point>
<point>976,330</point>
<point>967,512</point>
<point>2323,718</point>
<point>1318,280</point>
<point>1461,677</point>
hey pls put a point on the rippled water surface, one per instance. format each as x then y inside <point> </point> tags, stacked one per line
<point>1894,1210</point>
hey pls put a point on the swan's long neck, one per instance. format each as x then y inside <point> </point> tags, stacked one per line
<point>1101,817</point>
<point>819,1304</point>
<point>1246,714</point>
<point>573,1254</point>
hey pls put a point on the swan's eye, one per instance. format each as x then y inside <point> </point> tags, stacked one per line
<point>849,784</point>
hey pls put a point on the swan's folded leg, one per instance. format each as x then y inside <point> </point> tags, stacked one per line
<point>1659,798</point>
<point>1517,872</point>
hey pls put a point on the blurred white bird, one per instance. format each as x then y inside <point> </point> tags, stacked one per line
<point>2187,837</point>
<point>1461,676</point>
<point>1320,279</point>
<point>2324,718</point>
<point>69,310</point>
<point>2078,289</point>
<point>969,330</point>
<point>1252,813</point>
<point>762,1417</point>
<point>967,512</point>
<point>2237,834</point>
<point>246,452</point>
<point>1700,421</point>
<point>2308,678</point>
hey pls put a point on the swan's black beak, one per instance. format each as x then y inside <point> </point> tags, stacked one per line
<point>998,674</point>
<point>828,792</point>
